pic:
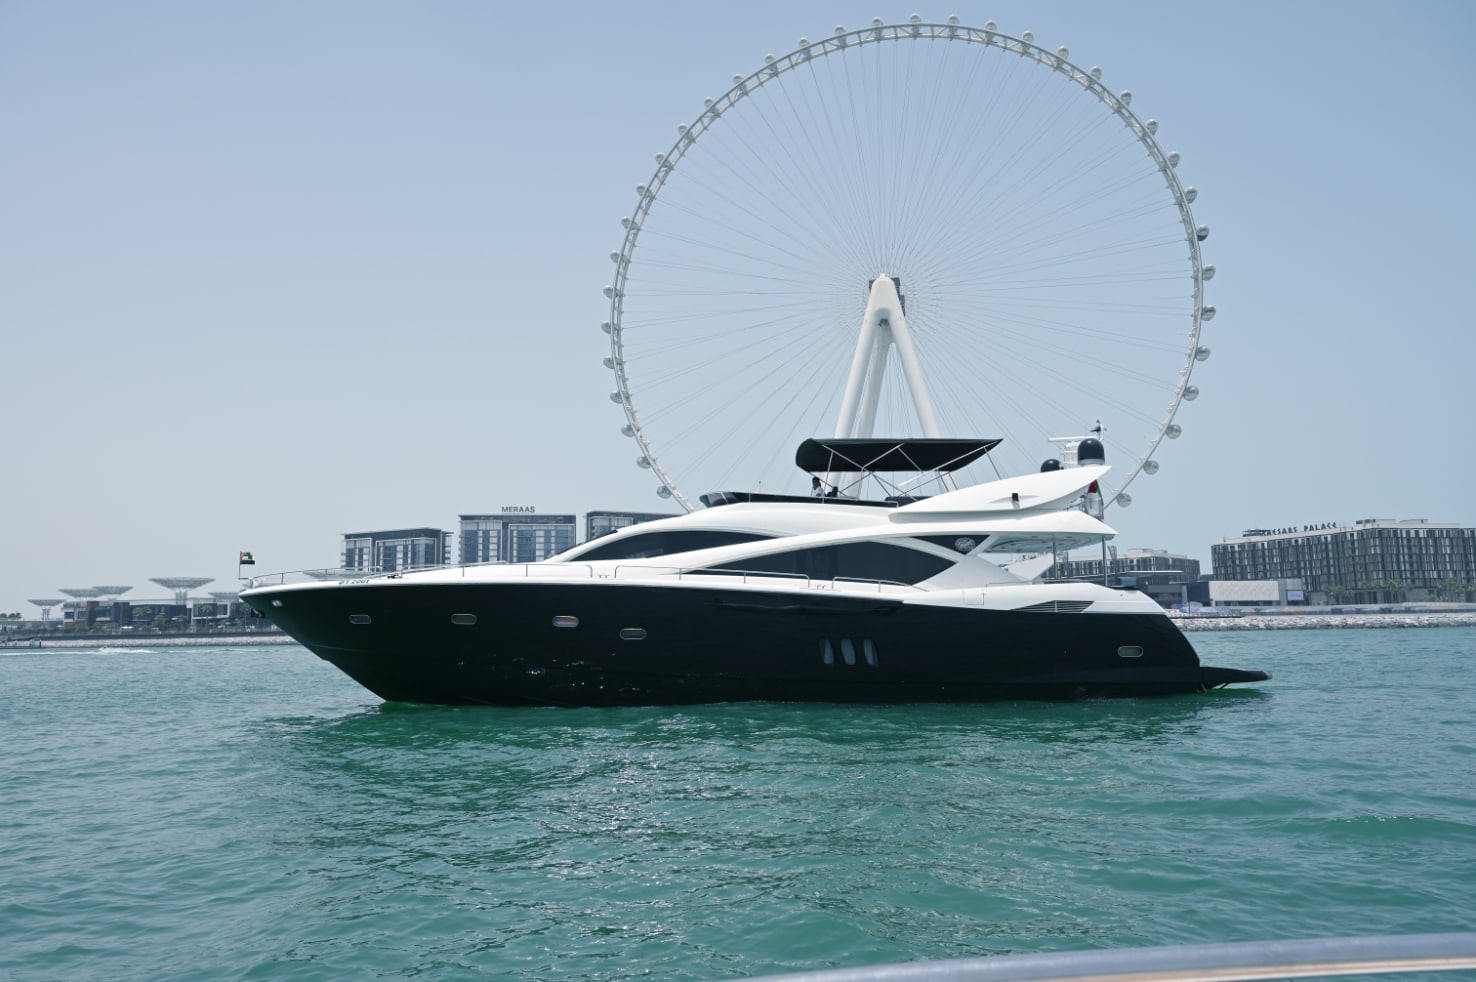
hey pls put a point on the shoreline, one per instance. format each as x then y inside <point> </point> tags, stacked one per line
<point>152,641</point>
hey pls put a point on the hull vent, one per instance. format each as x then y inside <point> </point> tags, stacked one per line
<point>1057,607</point>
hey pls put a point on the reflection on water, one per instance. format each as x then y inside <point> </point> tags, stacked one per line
<point>760,792</point>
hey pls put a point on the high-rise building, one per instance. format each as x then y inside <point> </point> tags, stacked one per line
<point>598,523</point>
<point>1161,575</point>
<point>1375,560</point>
<point>517,535</point>
<point>1132,564</point>
<point>395,550</point>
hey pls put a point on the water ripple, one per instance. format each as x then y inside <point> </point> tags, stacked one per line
<point>249,814</point>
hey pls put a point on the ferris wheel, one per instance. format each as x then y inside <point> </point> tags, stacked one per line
<point>907,230</point>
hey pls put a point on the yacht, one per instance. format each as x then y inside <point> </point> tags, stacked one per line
<point>830,597</point>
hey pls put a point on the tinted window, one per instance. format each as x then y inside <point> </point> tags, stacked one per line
<point>850,560</point>
<point>664,543</point>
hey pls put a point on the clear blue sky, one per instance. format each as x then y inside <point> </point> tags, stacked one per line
<point>273,272</point>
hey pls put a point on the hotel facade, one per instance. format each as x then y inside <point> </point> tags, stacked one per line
<point>1375,560</point>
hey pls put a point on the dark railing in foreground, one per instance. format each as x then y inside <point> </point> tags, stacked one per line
<point>1323,957</point>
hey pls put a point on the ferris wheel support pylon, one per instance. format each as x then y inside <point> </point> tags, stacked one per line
<point>884,327</point>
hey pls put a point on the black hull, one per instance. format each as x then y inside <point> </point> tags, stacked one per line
<point>703,645</point>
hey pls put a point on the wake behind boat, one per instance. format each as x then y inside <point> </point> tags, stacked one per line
<point>773,597</point>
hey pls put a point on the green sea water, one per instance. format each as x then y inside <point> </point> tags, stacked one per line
<point>249,813</point>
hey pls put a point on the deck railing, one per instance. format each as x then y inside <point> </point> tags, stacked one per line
<point>556,571</point>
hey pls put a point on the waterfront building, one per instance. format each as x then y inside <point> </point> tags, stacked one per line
<point>1159,574</point>
<point>1248,593</point>
<point>598,523</point>
<point>1132,564</point>
<point>517,535</point>
<point>395,550</point>
<point>1162,575</point>
<point>1375,560</point>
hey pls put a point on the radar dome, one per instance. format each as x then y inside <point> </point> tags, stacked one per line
<point>1050,465</point>
<point>1090,451</point>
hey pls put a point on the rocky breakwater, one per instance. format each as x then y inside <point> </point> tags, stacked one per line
<point>1293,622</point>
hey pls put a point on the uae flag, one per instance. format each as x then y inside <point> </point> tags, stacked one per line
<point>246,559</point>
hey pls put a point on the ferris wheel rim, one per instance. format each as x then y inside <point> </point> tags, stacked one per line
<point>842,40</point>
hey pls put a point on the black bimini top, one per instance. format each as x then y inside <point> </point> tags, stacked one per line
<point>870,455</point>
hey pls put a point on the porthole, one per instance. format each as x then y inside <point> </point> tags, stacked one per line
<point>632,634</point>
<point>359,619</point>
<point>566,620</point>
<point>463,618</point>
<point>1130,651</point>
<point>276,603</point>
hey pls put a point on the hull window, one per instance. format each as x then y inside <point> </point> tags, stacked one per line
<point>848,651</point>
<point>1130,651</point>
<point>632,634</point>
<point>566,620</point>
<point>359,619</point>
<point>463,619</point>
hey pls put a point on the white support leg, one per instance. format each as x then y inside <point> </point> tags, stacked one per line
<point>883,327</point>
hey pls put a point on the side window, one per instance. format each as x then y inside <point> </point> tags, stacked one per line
<point>849,560</point>
<point>665,543</point>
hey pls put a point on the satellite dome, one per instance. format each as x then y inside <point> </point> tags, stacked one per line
<point>1050,465</point>
<point>1090,451</point>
